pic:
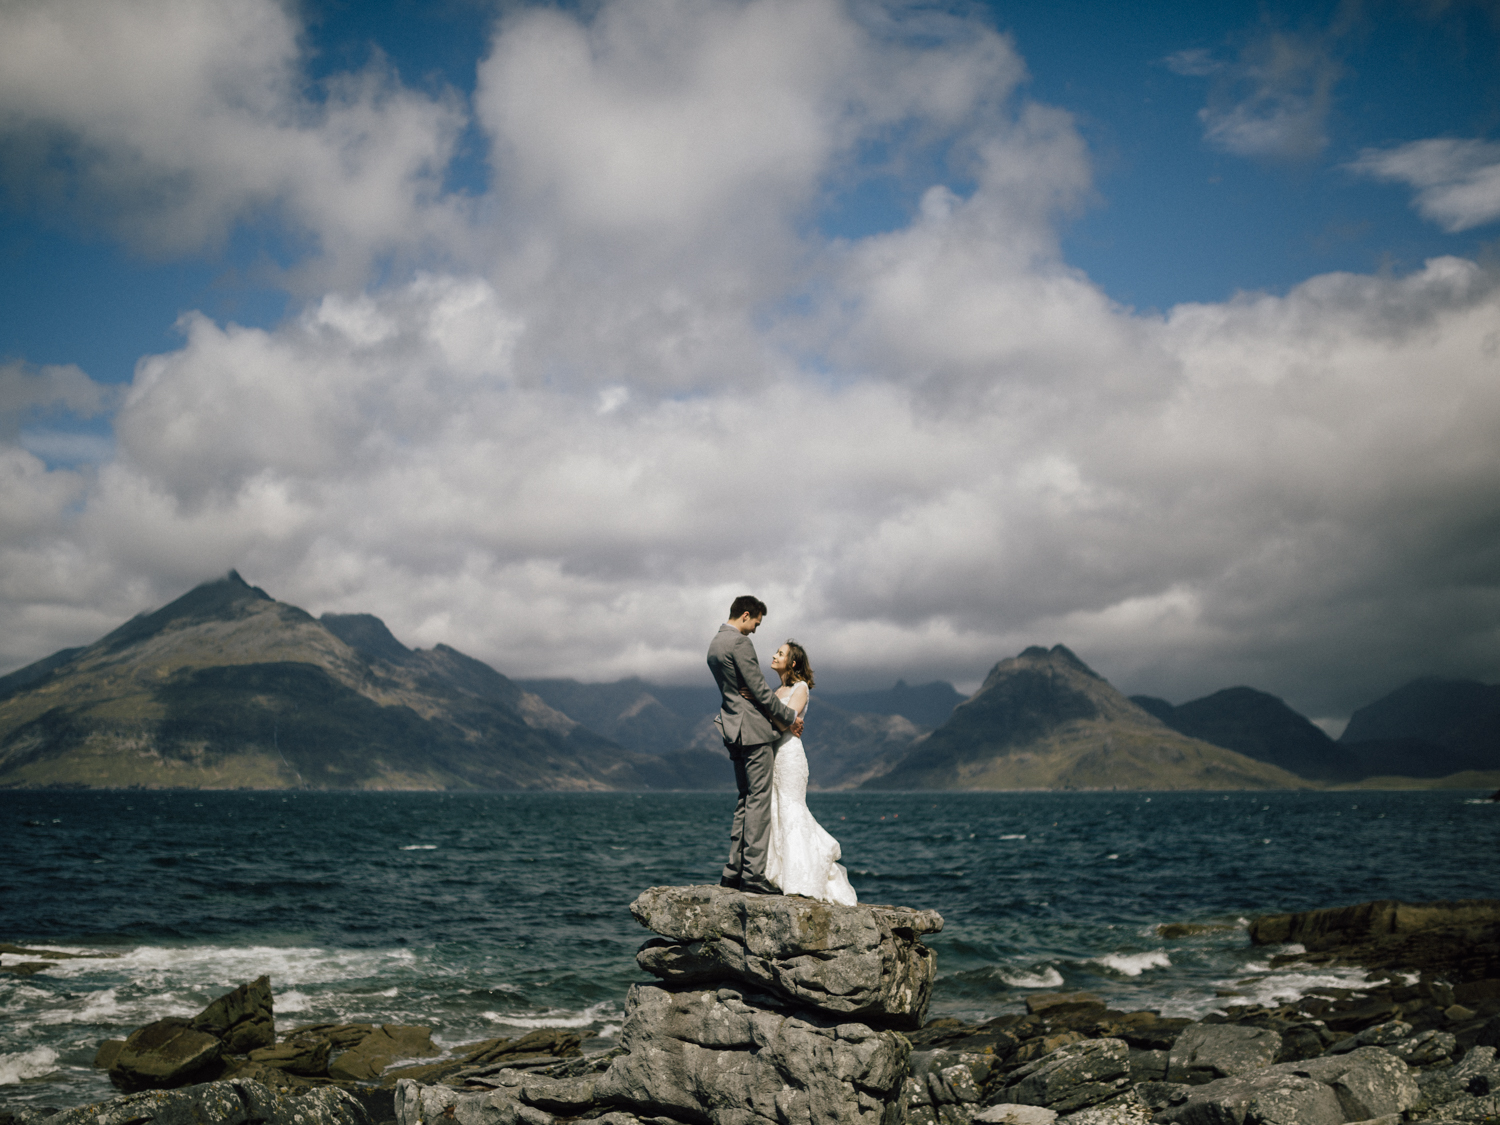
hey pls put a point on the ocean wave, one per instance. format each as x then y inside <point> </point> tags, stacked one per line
<point>1134,964</point>
<point>1046,977</point>
<point>35,1063</point>
<point>216,966</point>
<point>417,848</point>
<point>1274,988</point>
<point>558,1017</point>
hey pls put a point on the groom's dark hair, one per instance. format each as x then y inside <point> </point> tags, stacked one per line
<point>746,603</point>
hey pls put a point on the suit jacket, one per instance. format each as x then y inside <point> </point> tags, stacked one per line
<point>744,722</point>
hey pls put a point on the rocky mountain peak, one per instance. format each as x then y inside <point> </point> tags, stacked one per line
<point>367,634</point>
<point>224,598</point>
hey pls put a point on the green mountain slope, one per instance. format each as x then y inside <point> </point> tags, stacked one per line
<point>227,687</point>
<point>1045,720</point>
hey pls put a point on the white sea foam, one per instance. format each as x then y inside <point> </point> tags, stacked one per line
<point>215,966</point>
<point>418,847</point>
<point>557,1017</point>
<point>1134,964</point>
<point>1013,836</point>
<point>1274,987</point>
<point>291,1001</point>
<point>1047,977</point>
<point>35,1063</point>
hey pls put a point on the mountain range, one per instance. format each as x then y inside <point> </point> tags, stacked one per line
<point>226,687</point>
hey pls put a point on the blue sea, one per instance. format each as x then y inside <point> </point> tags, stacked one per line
<point>487,914</point>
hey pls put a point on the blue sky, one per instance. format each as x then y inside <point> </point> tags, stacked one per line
<point>257,231</point>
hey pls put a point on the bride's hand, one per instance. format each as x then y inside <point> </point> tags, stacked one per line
<point>746,694</point>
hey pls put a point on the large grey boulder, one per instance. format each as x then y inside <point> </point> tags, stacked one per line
<point>1071,1077</point>
<point>863,962</point>
<point>235,1102</point>
<point>710,1056</point>
<point>1273,1097</point>
<point>1369,1082</point>
<point>1364,1084</point>
<point>1206,1051</point>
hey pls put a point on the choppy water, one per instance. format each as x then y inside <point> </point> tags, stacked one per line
<point>486,914</point>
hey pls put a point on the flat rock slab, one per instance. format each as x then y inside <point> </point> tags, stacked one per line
<point>864,962</point>
<point>1206,1051</point>
<point>709,1056</point>
<point>169,1052</point>
<point>1076,1075</point>
<point>381,1047</point>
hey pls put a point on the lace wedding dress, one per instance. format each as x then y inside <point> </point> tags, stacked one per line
<point>801,857</point>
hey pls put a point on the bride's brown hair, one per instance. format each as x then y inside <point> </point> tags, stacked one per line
<point>797,667</point>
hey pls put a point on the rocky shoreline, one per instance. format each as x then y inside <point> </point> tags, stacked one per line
<point>774,1009</point>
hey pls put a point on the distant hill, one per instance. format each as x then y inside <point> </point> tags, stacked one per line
<point>1259,726</point>
<point>927,707</point>
<point>1429,728</point>
<point>227,687</point>
<point>843,747</point>
<point>1045,720</point>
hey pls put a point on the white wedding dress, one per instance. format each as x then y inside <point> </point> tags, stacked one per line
<point>801,858</point>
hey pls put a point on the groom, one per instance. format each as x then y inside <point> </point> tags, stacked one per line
<point>748,724</point>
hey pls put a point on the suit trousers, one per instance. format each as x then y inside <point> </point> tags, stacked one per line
<point>754,766</point>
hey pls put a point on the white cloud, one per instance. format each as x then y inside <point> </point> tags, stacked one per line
<point>169,121</point>
<point>1271,100</point>
<point>1457,181</point>
<point>925,449</point>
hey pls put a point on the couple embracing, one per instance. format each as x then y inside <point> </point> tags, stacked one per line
<point>775,847</point>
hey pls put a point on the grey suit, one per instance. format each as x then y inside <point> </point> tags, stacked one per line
<point>748,727</point>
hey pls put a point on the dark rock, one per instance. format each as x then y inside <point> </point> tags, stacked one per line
<point>1043,1001</point>
<point>1378,1035</point>
<point>1301,1041</point>
<point>1273,1097</point>
<point>864,962</point>
<point>417,1105</point>
<point>1481,995</point>
<point>108,1052</point>
<point>1076,1075</point>
<point>1148,1066</point>
<point>1425,1048</point>
<point>710,1055</point>
<point>169,1052</point>
<point>1489,1034</point>
<point>243,1019</point>
<point>1360,1016</point>
<point>1205,1052</point>
<point>1460,939</point>
<point>1477,1069</point>
<point>307,1057</point>
<point>235,1102</point>
<point>545,1046</point>
<point>377,1050</point>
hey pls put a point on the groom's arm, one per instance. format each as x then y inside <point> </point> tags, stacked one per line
<point>756,688</point>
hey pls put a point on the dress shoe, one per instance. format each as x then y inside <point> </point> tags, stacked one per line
<point>750,888</point>
<point>732,884</point>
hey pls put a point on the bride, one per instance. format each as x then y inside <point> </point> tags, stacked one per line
<point>801,858</point>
